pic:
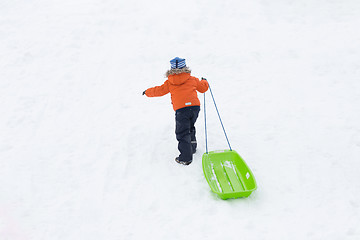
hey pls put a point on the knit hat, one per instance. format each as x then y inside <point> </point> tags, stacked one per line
<point>177,63</point>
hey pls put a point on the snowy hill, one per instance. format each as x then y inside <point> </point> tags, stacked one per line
<point>83,155</point>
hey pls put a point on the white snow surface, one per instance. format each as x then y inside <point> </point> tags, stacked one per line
<point>83,155</point>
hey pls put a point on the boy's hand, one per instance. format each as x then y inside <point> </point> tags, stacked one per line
<point>143,92</point>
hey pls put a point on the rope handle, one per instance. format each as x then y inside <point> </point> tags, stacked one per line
<point>206,142</point>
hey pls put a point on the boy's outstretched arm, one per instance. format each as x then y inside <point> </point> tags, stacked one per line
<point>157,91</point>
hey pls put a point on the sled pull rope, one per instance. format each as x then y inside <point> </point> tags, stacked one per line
<point>206,144</point>
<point>212,96</point>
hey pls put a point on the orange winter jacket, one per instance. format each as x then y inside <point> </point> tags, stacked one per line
<point>183,89</point>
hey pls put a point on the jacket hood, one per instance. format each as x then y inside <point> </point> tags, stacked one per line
<point>178,79</point>
<point>177,71</point>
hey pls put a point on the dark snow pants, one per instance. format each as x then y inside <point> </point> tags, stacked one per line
<point>185,131</point>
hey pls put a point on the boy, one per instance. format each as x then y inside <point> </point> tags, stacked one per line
<point>182,87</point>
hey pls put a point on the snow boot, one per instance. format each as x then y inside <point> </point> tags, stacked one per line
<point>182,162</point>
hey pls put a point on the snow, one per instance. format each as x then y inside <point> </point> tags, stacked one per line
<point>83,155</point>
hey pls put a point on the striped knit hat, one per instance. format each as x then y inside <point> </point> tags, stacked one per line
<point>177,63</point>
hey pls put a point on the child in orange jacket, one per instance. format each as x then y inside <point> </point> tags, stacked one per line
<point>183,89</point>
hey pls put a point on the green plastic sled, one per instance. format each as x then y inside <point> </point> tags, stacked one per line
<point>227,174</point>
